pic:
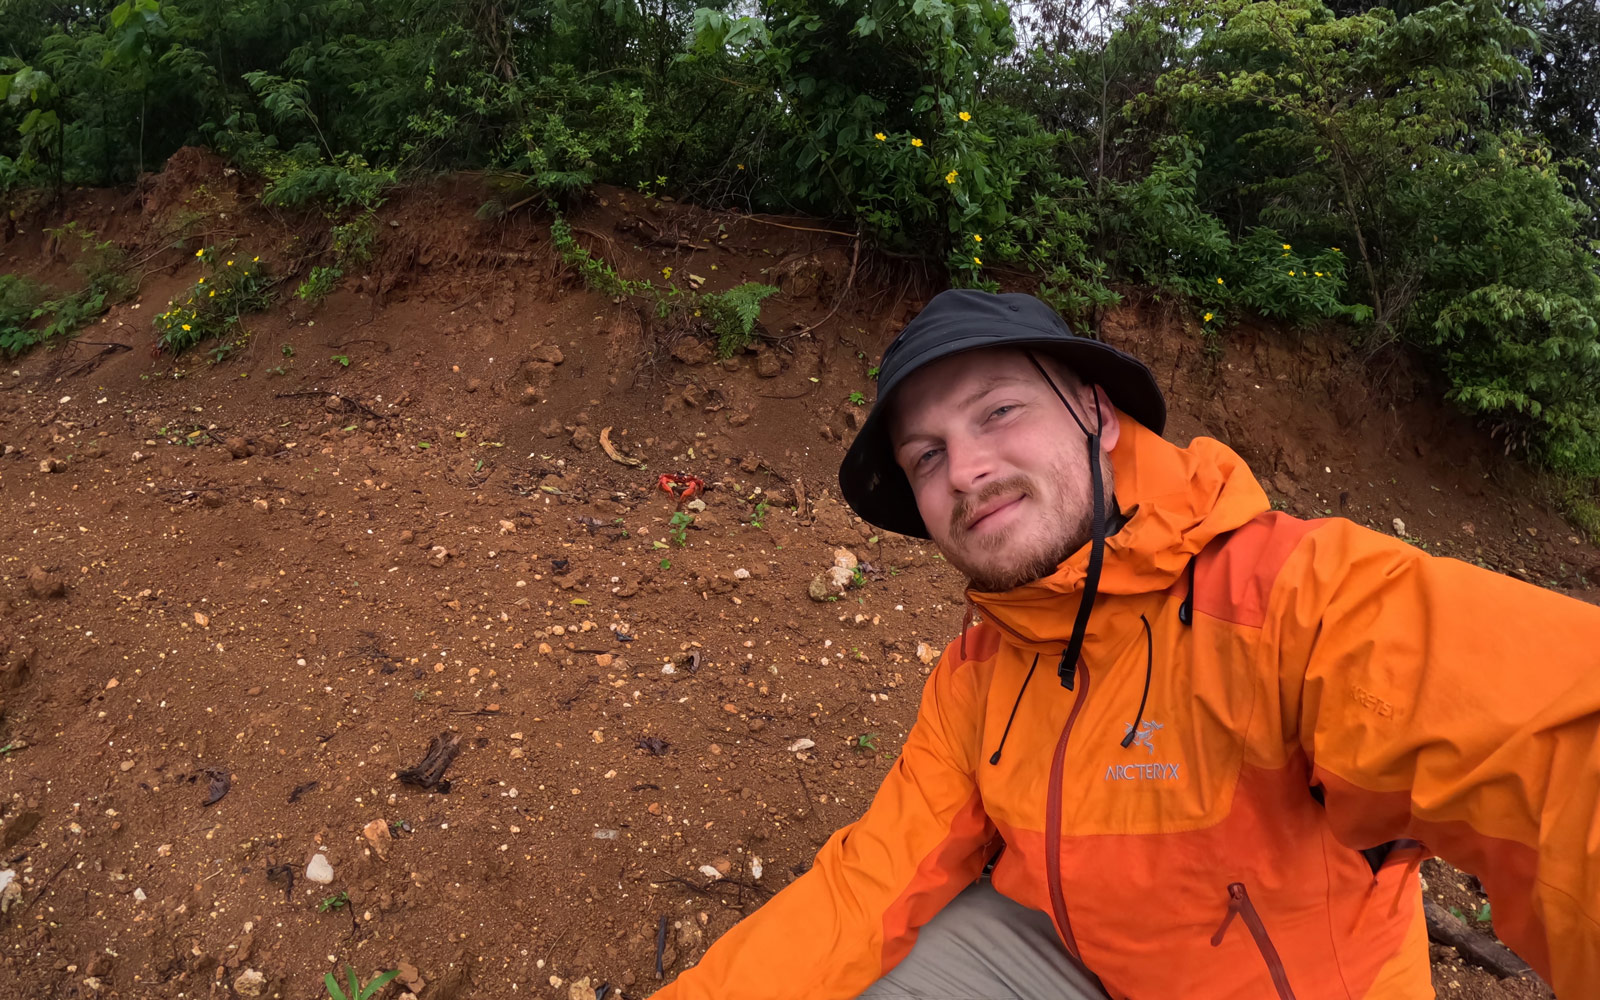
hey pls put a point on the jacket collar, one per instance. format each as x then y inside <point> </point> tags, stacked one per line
<point>1177,500</point>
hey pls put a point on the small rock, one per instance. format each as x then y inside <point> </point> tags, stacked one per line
<point>691,351</point>
<point>238,447</point>
<point>819,590</point>
<point>801,744</point>
<point>845,559</point>
<point>438,554</point>
<point>202,619</point>
<point>710,872</point>
<point>474,384</point>
<point>411,977</point>
<point>741,574</point>
<point>1399,527</point>
<point>583,439</point>
<point>581,990</point>
<point>10,890</point>
<point>250,983</point>
<point>261,506</point>
<point>550,354</point>
<point>137,457</point>
<point>927,654</point>
<point>606,834</point>
<point>1468,529</point>
<point>840,577</point>
<point>768,364</point>
<point>529,397</point>
<point>378,835</point>
<point>139,896</point>
<point>755,866</point>
<point>551,428</point>
<point>45,585</point>
<point>126,765</point>
<point>51,465</point>
<point>722,866</point>
<point>333,404</point>
<point>508,527</point>
<point>319,871</point>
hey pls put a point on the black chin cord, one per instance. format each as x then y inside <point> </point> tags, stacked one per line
<point>1067,669</point>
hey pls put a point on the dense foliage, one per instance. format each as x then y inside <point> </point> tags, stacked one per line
<point>1422,173</point>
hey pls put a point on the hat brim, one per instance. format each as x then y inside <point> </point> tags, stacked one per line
<point>877,489</point>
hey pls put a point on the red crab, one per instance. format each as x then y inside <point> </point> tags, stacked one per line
<point>680,487</point>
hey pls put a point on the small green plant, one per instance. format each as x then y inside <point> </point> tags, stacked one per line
<point>866,741</point>
<point>288,351</point>
<point>217,302</point>
<point>733,315</point>
<point>319,284</point>
<point>8,749</point>
<point>872,372</point>
<point>857,398</point>
<point>759,515</point>
<point>336,901</point>
<point>678,527</point>
<point>278,370</point>
<point>595,273</point>
<point>665,564</point>
<point>357,991</point>
<point>342,359</point>
<point>858,577</point>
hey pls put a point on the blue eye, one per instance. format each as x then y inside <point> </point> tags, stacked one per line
<point>1002,411</point>
<point>923,458</point>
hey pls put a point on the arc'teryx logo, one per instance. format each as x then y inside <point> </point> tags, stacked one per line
<point>1145,737</point>
<point>1147,729</point>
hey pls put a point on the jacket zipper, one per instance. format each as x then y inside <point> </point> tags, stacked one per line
<point>1052,826</point>
<point>1239,905</point>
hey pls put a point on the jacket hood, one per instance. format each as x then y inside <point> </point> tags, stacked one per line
<point>1179,498</point>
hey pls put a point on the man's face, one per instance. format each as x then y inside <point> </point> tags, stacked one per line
<point>998,465</point>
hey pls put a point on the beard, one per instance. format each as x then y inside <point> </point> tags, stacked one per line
<point>1022,553</point>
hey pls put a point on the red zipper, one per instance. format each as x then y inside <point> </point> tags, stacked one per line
<point>1239,905</point>
<point>1052,825</point>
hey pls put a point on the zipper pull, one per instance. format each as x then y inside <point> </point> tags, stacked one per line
<point>1235,902</point>
<point>1068,672</point>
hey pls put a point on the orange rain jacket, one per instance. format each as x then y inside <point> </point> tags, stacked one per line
<point>1326,689</point>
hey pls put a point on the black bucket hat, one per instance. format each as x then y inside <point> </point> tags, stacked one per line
<point>967,320</point>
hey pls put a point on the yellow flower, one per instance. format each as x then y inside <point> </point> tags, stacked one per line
<point>255,260</point>
<point>201,281</point>
<point>1286,246</point>
<point>1334,249</point>
<point>1206,318</point>
<point>977,239</point>
<point>950,178</point>
<point>977,262</point>
<point>666,272</point>
<point>1319,274</point>
<point>1219,281</point>
<point>880,137</point>
<point>739,166</point>
<point>186,327</point>
<point>200,252</point>
<point>230,263</point>
<point>916,142</point>
<point>965,116</point>
<point>211,295</point>
<point>1291,272</point>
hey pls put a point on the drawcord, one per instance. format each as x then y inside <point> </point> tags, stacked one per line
<point>995,759</point>
<point>1149,659</point>
<point>1068,667</point>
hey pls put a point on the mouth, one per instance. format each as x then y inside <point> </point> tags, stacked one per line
<point>994,513</point>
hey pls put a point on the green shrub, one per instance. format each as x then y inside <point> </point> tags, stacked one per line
<point>733,315</point>
<point>214,307</point>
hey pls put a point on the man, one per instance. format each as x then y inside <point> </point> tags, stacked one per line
<point>1203,744</point>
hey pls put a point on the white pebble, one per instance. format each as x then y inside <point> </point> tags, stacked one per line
<point>319,871</point>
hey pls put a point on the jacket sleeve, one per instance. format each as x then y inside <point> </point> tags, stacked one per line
<point>839,927</point>
<point>1445,703</point>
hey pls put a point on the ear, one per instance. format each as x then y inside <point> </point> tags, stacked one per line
<point>1110,421</point>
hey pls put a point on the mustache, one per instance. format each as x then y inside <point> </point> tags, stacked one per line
<point>964,508</point>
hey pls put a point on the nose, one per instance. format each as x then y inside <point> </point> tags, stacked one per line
<point>968,465</point>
